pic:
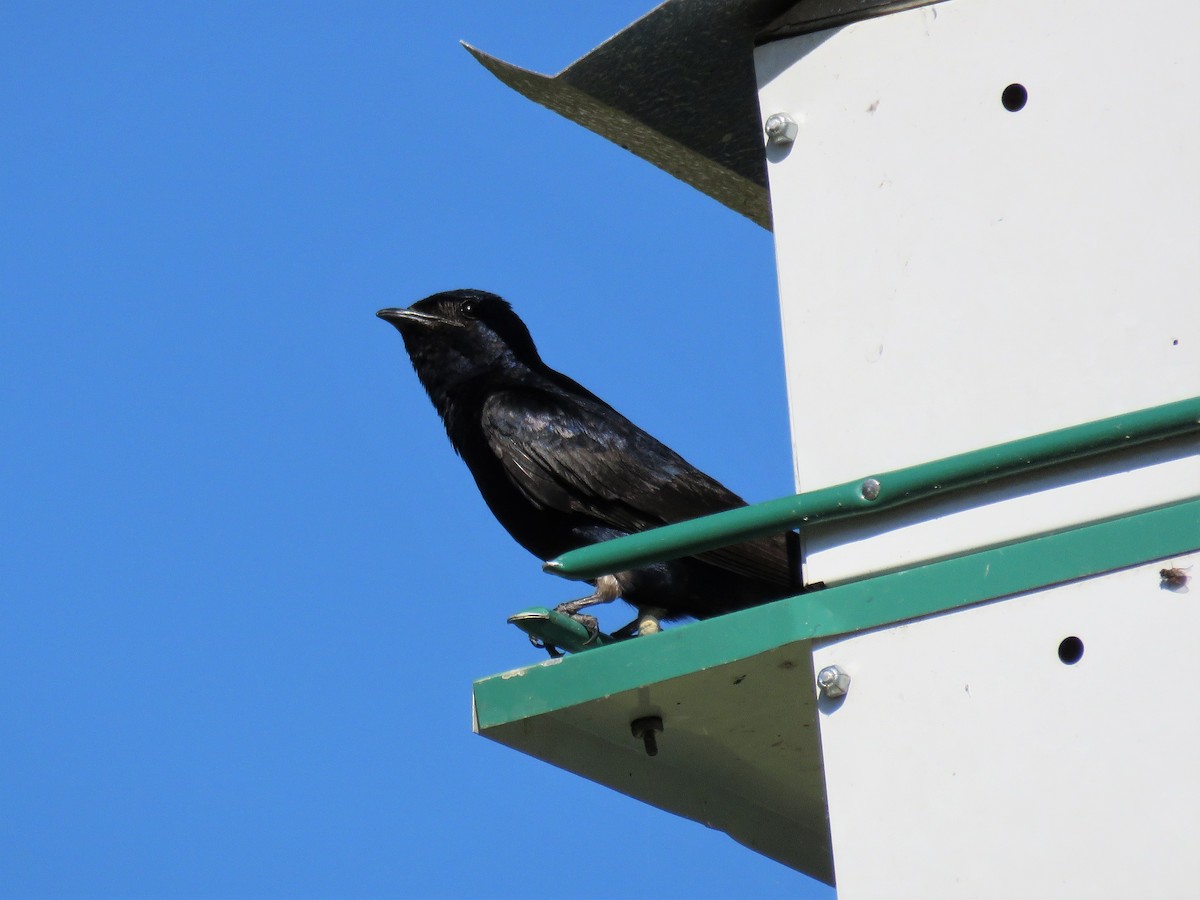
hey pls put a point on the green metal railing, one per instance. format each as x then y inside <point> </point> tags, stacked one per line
<point>881,491</point>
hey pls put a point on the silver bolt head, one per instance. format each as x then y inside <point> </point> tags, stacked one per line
<point>870,489</point>
<point>781,128</point>
<point>833,682</point>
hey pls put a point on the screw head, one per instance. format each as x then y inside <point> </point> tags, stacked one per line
<point>781,128</point>
<point>833,682</point>
<point>870,489</point>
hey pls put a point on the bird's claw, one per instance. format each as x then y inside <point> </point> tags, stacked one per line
<point>554,652</point>
<point>591,623</point>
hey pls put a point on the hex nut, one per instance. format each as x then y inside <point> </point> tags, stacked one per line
<point>781,128</point>
<point>833,682</point>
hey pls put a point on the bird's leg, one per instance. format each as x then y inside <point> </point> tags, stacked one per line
<point>607,590</point>
<point>647,620</point>
<point>645,623</point>
<point>625,631</point>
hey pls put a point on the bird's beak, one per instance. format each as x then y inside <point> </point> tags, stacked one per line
<point>402,317</point>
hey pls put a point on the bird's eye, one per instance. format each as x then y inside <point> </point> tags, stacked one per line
<point>469,309</point>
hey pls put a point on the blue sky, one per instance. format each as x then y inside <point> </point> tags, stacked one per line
<point>245,585</point>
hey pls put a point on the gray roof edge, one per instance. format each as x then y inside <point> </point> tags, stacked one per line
<point>634,134</point>
<point>677,87</point>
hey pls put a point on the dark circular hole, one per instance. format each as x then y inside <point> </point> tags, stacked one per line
<point>1070,650</point>
<point>1014,97</point>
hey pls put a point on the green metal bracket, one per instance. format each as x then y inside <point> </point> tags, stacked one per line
<point>888,489</point>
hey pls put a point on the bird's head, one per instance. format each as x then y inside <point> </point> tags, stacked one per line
<point>457,336</point>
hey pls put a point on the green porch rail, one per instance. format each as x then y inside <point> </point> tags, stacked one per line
<point>881,491</point>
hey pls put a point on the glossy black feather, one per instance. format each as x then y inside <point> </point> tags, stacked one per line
<point>560,468</point>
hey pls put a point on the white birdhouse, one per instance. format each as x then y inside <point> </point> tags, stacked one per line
<point>987,226</point>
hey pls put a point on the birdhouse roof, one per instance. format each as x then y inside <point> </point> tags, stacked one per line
<point>678,88</point>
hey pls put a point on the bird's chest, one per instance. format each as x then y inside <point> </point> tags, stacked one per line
<point>465,427</point>
<point>543,530</point>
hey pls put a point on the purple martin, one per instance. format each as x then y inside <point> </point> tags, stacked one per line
<point>560,468</point>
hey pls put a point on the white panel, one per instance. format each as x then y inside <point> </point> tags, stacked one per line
<point>967,760</point>
<point>954,275</point>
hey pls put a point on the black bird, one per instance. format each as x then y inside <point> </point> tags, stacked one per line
<point>560,468</point>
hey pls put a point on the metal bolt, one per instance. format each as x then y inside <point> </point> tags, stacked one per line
<point>781,128</point>
<point>870,489</point>
<point>833,682</point>
<point>646,728</point>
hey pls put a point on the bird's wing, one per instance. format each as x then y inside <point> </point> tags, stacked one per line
<point>578,455</point>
